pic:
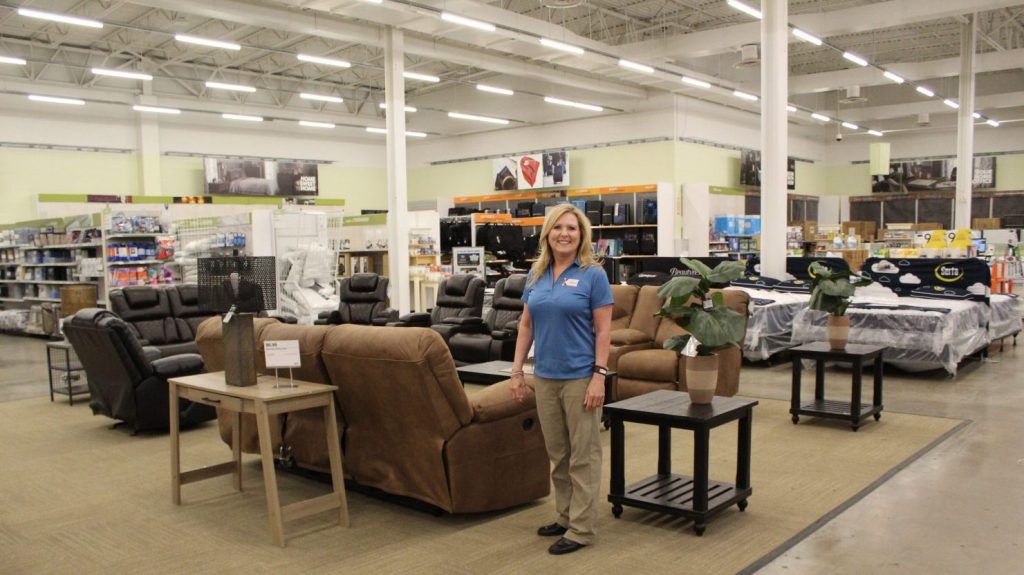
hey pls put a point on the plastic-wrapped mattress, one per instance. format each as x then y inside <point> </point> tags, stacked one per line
<point>769,327</point>
<point>1006,312</point>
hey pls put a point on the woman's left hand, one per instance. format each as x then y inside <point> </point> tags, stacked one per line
<point>595,393</point>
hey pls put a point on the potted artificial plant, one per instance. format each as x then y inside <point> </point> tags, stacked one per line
<point>831,291</point>
<point>711,325</point>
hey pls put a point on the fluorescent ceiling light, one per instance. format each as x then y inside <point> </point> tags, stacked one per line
<point>408,133</point>
<point>850,126</point>
<point>374,1</point>
<point>925,91</point>
<point>695,82</point>
<point>744,95</point>
<point>976,115</point>
<point>59,18</point>
<point>562,46</point>
<point>384,106</point>
<point>494,90</point>
<point>324,61</point>
<point>875,133</point>
<point>156,109</point>
<point>806,37</point>
<point>572,104</point>
<point>206,42</point>
<point>636,66</point>
<point>421,77</point>
<point>242,117</point>
<point>821,117</point>
<point>476,118</point>
<point>456,19</point>
<point>311,124</point>
<point>749,10</point>
<point>855,58</point>
<point>235,87</point>
<point>321,98</point>
<point>894,77</point>
<point>12,60</point>
<point>121,74</point>
<point>951,103</point>
<point>791,108</point>
<point>56,100</point>
<point>992,123</point>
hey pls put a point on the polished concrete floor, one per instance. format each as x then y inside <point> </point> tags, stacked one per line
<point>957,509</point>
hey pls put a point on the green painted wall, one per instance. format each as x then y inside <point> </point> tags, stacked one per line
<point>1010,172</point>
<point>811,179</point>
<point>714,166</point>
<point>360,187</point>
<point>847,180</point>
<point>181,176</point>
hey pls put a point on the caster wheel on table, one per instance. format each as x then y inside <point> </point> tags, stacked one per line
<point>617,511</point>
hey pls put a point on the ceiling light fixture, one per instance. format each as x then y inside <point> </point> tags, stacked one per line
<point>415,134</point>
<point>421,77</point>
<point>408,133</point>
<point>312,124</point>
<point>456,19</point>
<point>976,115</point>
<point>850,126</point>
<point>242,117</point>
<point>384,106</point>
<point>56,100</point>
<point>572,104</point>
<point>374,1</point>
<point>321,98</point>
<point>992,123</point>
<point>562,46</point>
<point>234,87</point>
<point>59,18</point>
<point>894,77</point>
<point>807,37</point>
<point>494,90</point>
<point>744,95</point>
<point>156,109</point>
<point>636,66</point>
<point>791,108</point>
<point>855,58</point>
<point>122,74</point>
<point>875,133</point>
<point>206,42</point>
<point>749,10</point>
<point>925,91</point>
<point>951,103</point>
<point>324,61</point>
<point>12,60</point>
<point>821,117</point>
<point>476,118</point>
<point>695,82</point>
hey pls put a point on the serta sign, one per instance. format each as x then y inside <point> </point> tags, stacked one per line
<point>949,272</point>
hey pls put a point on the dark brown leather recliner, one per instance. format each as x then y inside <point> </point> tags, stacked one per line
<point>185,309</point>
<point>494,337</point>
<point>127,381</point>
<point>147,310</point>
<point>364,300</point>
<point>460,300</point>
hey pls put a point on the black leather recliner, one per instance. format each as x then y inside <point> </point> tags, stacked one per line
<point>147,311</point>
<point>364,300</point>
<point>495,337</point>
<point>459,305</point>
<point>184,301</point>
<point>127,381</point>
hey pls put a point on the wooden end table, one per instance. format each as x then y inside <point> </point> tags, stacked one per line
<point>264,400</point>
<point>853,411</point>
<point>695,497</point>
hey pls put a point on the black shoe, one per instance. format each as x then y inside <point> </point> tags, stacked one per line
<point>551,530</point>
<point>563,546</point>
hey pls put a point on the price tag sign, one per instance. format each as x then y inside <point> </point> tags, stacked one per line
<point>282,354</point>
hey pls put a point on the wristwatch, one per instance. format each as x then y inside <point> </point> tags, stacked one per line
<point>600,369</point>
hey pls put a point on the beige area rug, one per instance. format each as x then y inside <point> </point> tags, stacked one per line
<point>78,497</point>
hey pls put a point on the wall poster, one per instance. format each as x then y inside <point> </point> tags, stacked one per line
<point>750,170</point>
<point>531,171</point>
<point>932,175</point>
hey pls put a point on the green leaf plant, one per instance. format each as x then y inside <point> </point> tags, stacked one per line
<point>831,290</point>
<point>704,315</point>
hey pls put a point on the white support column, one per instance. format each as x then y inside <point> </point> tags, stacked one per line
<point>398,203</point>
<point>965,127</point>
<point>774,135</point>
<point>696,204</point>
<point>149,149</point>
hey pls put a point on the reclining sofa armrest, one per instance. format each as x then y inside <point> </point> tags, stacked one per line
<point>509,331</point>
<point>151,352</point>
<point>468,321</point>
<point>495,402</point>
<point>332,317</point>
<point>385,316</point>
<point>420,319</point>
<point>179,365</point>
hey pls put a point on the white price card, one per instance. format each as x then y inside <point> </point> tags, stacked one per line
<point>282,354</point>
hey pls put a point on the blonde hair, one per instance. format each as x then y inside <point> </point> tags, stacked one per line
<point>584,252</point>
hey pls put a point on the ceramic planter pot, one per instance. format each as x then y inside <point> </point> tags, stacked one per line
<point>701,377</point>
<point>838,331</point>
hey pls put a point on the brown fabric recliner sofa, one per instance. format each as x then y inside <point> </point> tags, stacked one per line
<point>407,425</point>
<point>645,369</point>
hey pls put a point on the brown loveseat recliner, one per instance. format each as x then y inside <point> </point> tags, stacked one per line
<point>408,428</point>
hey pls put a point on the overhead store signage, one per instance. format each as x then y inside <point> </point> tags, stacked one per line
<point>260,177</point>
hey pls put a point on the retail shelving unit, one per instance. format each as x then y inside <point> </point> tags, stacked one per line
<point>131,251</point>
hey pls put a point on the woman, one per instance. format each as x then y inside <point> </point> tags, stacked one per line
<point>568,314</point>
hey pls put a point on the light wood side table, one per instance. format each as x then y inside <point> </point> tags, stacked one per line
<point>263,400</point>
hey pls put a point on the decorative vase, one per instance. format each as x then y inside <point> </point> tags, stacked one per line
<point>701,377</point>
<point>838,331</point>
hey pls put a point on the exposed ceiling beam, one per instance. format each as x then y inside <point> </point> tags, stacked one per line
<point>988,105</point>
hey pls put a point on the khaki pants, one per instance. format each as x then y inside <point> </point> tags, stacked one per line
<point>572,438</point>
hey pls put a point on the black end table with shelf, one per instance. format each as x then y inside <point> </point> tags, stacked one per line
<point>853,411</point>
<point>64,367</point>
<point>695,497</point>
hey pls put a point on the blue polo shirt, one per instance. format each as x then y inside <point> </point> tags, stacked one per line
<point>562,312</point>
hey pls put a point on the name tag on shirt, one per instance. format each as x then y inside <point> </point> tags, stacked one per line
<point>571,282</point>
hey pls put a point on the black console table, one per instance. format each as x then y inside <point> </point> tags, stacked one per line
<point>695,497</point>
<point>853,411</point>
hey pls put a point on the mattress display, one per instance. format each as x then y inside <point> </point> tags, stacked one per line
<point>1005,319</point>
<point>769,327</point>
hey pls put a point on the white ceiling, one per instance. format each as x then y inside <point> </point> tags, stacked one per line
<point>920,39</point>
